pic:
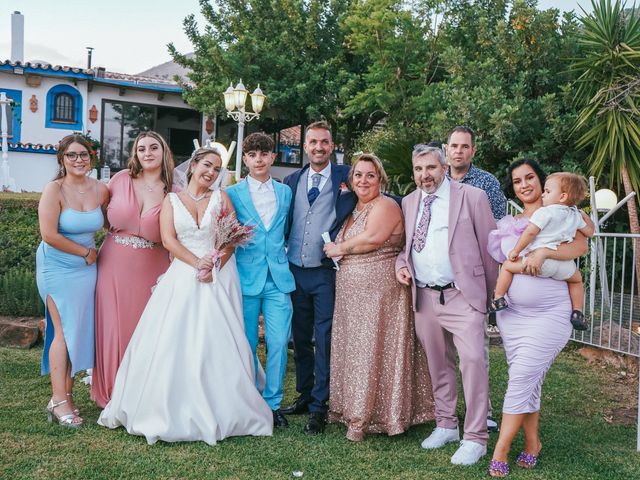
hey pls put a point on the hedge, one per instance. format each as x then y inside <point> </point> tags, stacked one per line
<point>19,239</point>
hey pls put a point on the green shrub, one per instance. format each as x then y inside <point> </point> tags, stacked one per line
<point>19,239</point>
<point>19,231</point>
<point>19,294</point>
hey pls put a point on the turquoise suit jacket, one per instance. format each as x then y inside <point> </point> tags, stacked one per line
<point>265,253</point>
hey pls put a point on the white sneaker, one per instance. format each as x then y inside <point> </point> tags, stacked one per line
<point>469,453</point>
<point>441,436</point>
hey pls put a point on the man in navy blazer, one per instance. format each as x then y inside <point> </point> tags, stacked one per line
<point>319,206</point>
<point>263,267</point>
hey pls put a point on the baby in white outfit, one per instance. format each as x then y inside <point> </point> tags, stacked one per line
<point>554,223</point>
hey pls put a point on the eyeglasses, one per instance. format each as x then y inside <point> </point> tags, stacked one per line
<point>73,156</point>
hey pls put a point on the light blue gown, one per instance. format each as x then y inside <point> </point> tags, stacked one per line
<point>71,283</point>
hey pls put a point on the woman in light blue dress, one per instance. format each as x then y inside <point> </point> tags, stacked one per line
<point>69,213</point>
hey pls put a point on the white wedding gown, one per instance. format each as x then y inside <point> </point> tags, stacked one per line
<point>188,372</point>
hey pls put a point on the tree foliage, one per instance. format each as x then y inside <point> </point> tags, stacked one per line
<point>608,91</point>
<point>413,68</point>
<point>293,48</point>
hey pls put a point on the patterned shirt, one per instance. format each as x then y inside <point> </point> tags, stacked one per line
<point>476,177</point>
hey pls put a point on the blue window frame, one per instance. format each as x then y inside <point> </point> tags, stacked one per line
<point>14,114</point>
<point>64,108</point>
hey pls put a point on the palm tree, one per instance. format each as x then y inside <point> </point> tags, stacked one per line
<point>607,94</point>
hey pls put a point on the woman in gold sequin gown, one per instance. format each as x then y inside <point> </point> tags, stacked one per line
<point>379,377</point>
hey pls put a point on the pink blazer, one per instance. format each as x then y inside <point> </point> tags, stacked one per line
<point>470,221</point>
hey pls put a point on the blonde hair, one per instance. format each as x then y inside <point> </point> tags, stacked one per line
<point>575,186</point>
<point>377,165</point>
<point>198,155</point>
<point>135,167</point>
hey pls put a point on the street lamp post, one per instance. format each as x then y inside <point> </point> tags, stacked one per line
<point>234,102</point>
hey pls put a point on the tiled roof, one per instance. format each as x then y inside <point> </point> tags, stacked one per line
<point>91,73</point>
<point>48,66</point>
<point>33,147</point>
<point>290,136</point>
<point>137,78</point>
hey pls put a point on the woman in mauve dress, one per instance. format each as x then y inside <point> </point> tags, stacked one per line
<point>132,256</point>
<point>534,328</point>
<point>379,377</point>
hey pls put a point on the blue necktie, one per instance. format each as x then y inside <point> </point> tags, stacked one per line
<point>314,191</point>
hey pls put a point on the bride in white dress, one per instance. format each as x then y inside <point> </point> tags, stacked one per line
<point>188,372</point>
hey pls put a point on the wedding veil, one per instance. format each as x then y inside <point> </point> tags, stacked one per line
<point>180,172</point>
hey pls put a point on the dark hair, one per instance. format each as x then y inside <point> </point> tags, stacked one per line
<point>462,129</point>
<point>63,145</point>
<point>574,185</point>
<point>507,186</point>
<point>321,124</point>
<point>258,142</point>
<point>198,155</point>
<point>135,167</point>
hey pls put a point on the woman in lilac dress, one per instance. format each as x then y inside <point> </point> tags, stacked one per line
<point>534,328</point>
<point>132,256</point>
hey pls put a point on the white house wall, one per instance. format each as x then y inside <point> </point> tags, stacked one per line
<point>33,123</point>
<point>32,171</point>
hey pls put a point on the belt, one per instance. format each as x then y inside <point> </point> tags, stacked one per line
<point>133,241</point>
<point>441,289</point>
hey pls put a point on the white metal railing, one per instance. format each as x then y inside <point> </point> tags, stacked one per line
<point>513,208</point>
<point>612,304</point>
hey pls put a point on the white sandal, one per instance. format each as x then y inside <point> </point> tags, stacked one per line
<point>70,420</point>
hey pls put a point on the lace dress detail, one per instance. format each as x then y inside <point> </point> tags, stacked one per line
<point>198,239</point>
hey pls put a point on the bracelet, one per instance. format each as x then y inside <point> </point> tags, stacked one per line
<point>87,254</point>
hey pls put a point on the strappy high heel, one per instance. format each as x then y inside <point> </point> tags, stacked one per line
<point>76,410</point>
<point>70,420</point>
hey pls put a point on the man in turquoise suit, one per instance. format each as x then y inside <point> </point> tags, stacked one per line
<point>263,265</point>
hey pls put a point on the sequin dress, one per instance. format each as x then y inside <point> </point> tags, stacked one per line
<point>379,377</point>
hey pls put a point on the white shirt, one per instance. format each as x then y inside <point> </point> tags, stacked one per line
<point>325,175</point>
<point>264,200</point>
<point>557,224</point>
<point>431,265</point>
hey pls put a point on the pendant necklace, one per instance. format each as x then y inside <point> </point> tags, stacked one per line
<point>81,192</point>
<point>194,198</point>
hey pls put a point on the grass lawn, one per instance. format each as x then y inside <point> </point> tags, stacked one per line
<point>578,443</point>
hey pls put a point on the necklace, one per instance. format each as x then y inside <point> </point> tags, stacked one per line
<point>147,187</point>
<point>356,213</point>
<point>81,192</point>
<point>196,198</point>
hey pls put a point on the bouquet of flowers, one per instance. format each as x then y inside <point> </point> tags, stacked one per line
<point>226,231</point>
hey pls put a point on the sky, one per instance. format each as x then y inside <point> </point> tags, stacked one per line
<point>128,36</point>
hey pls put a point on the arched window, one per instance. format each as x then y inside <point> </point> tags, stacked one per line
<point>63,108</point>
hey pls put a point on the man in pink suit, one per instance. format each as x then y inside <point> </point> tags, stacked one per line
<point>445,261</point>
